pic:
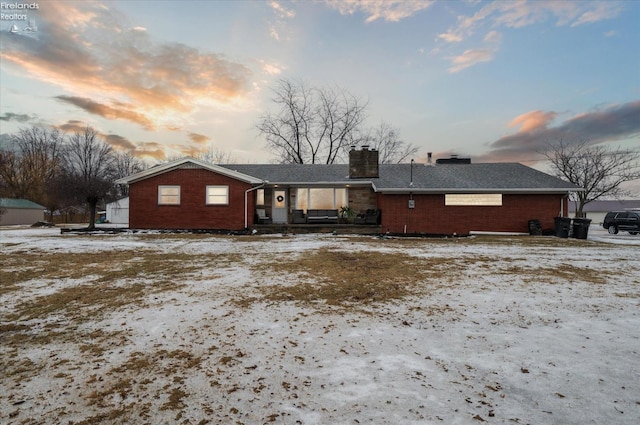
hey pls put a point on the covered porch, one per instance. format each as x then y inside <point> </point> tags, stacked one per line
<point>320,206</point>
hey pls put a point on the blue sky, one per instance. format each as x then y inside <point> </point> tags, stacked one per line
<point>496,81</point>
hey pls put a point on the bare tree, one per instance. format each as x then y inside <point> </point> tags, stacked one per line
<point>126,164</point>
<point>11,181</point>
<point>312,125</point>
<point>31,170</point>
<point>212,155</point>
<point>216,156</point>
<point>598,170</point>
<point>391,148</point>
<point>89,169</point>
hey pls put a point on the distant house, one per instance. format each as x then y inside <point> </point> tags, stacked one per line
<point>596,210</point>
<point>20,211</point>
<point>118,211</point>
<point>450,197</point>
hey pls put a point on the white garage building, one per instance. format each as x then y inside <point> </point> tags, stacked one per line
<point>118,211</point>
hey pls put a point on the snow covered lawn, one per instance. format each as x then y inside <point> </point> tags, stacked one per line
<point>317,329</point>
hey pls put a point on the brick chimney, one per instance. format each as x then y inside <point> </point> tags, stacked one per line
<point>363,163</point>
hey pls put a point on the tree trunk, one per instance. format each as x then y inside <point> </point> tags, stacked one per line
<point>93,203</point>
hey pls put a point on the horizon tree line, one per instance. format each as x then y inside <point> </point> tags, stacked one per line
<point>59,171</point>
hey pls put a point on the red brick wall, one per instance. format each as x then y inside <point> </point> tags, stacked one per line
<point>192,213</point>
<point>431,216</point>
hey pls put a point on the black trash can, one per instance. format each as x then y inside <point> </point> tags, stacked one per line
<point>581,228</point>
<point>535,228</point>
<point>562,226</point>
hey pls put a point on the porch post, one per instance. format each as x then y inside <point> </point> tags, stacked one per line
<point>246,198</point>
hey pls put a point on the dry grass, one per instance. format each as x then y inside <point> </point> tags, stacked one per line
<point>111,280</point>
<point>342,278</point>
<point>491,240</point>
<point>565,273</point>
<point>115,279</point>
<point>127,392</point>
<point>108,282</point>
<point>108,266</point>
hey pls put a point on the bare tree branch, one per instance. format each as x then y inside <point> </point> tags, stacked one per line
<point>312,125</point>
<point>90,168</point>
<point>125,164</point>
<point>598,170</point>
<point>391,148</point>
<point>32,168</point>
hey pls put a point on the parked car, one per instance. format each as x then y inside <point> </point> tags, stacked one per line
<point>622,220</point>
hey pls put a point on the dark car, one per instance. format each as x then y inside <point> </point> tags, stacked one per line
<point>622,220</point>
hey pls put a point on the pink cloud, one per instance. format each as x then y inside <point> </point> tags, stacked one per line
<point>120,111</point>
<point>536,132</point>
<point>199,138</point>
<point>532,121</point>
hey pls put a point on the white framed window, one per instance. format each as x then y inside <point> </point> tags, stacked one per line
<point>473,199</point>
<point>260,197</point>
<point>217,195</point>
<point>168,195</point>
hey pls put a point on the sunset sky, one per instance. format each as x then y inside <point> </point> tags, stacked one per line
<point>496,81</point>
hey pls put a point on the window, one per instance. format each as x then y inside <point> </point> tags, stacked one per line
<point>217,195</point>
<point>260,197</point>
<point>473,200</point>
<point>321,198</point>
<point>302,199</point>
<point>341,198</point>
<point>168,195</point>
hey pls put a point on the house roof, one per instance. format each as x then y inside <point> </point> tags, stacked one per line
<point>186,163</point>
<point>499,177</point>
<point>311,174</point>
<point>24,204</point>
<point>122,202</point>
<point>393,178</point>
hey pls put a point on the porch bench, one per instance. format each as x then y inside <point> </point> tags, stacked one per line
<point>322,216</point>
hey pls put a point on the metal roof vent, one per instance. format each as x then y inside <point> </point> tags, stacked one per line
<point>453,160</point>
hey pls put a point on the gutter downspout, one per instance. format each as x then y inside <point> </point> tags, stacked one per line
<point>246,206</point>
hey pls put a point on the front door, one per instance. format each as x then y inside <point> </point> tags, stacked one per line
<point>279,211</point>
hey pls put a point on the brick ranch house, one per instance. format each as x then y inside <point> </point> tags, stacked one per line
<point>452,196</point>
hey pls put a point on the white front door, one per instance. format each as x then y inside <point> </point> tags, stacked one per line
<point>279,211</point>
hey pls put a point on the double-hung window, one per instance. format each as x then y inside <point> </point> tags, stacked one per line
<point>217,195</point>
<point>168,195</point>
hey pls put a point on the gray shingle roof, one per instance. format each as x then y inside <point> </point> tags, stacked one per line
<point>295,173</point>
<point>502,177</point>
